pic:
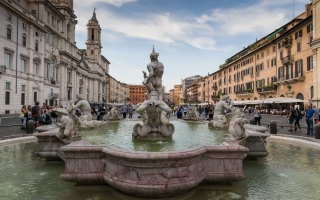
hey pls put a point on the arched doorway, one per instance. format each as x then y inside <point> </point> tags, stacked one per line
<point>255,98</point>
<point>270,97</point>
<point>248,98</point>
<point>281,95</point>
<point>301,105</point>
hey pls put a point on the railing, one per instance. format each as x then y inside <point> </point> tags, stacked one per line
<point>3,68</point>
<point>244,91</point>
<point>298,74</point>
<point>287,59</point>
<point>215,87</point>
<point>266,89</point>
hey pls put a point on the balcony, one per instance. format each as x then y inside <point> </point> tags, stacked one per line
<point>242,78</point>
<point>3,69</point>
<point>215,97</point>
<point>258,73</point>
<point>287,60</point>
<point>215,87</point>
<point>267,89</point>
<point>53,96</point>
<point>252,75</point>
<point>289,78</point>
<point>247,92</point>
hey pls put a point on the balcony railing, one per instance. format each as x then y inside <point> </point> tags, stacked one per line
<point>215,87</point>
<point>287,59</point>
<point>267,89</point>
<point>244,91</point>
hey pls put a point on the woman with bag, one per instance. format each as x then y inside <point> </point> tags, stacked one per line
<point>257,116</point>
<point>298,116</point>
<point>22,116</point>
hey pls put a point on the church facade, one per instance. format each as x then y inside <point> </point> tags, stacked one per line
<point>39,59</point>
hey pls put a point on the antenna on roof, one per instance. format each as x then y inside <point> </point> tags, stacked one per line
<point>292,9</point>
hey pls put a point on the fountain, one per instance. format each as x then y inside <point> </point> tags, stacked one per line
<point>193,115</point>
<point>152,174</point>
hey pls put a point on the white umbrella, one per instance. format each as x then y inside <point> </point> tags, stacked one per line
<point>293,101</point>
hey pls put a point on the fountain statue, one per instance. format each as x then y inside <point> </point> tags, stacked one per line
<point>112,115</point>
<point>156,125</point>
<point>193,115</point>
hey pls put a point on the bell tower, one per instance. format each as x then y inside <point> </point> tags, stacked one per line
<point>93,38</point>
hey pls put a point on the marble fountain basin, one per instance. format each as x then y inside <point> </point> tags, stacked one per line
<point>151,169</point>
<point>152,174</point>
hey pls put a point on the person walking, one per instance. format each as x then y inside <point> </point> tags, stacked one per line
<point>310,113</point>
<point>130,111</point>
<point>257,116</point>
<point>124,111</point>
<point>316,114</point>
<point>298,117</point>
<point>291,117</point>
<point>249,109</point>
<point>175,110</point>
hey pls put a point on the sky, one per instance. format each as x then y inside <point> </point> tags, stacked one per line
<point>192,37</point>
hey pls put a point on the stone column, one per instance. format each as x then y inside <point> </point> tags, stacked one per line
<point>315,45</point>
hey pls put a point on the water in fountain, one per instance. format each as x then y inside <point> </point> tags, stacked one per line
<point>289,172</point>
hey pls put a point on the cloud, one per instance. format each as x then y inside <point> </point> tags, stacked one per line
<point>254,19</point>
<point>116,3</point>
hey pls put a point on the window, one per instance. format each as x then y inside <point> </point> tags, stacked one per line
<point>92,34</point>
<point>23,88</point>
<point>35,96</point>
<point>69,77</point>
<point>9,17</point>
<point>52,70</point>
<point>47,37</point>
<point>91,51</point>
<point>310,39</point>
<point>262,54</point>
<point>33,12</point>
<point>298,66</point>
<point>37,34</point>
<point>23,97</point>
<point>309,28</point>
<point>35,68</point>
<point>281,54</point>
<point>273,49</point>
<point>7,98</point>
<point>280,72</point>
<point>267,51</point>
<point>268,63</point>
<point>298,34</point>
<point>24,41</point>
<point>309,63</point>
<point>36,46</point>
<point>24,26</point>
<point>23,65</point>
<point>8,60</point>
<point>258,57</point>
<point>273,62</point>
<point>298,46</point>
<point>8,85</point>
<point>9,33</point>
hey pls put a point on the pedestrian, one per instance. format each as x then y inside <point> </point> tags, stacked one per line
<point>185,110</point>
<point>249,109</point>
<point>298,117</point>
<point>23,117</point>
<point>291,117</point>
<point>309,119</point>
<point>316,114</point>
<point>36,114</point>
<point>130,111</point>
<point>257,116</point>
<point>46,118</point>
<point>206,111</point>
<point>124,111</point>
<point>175,110</point>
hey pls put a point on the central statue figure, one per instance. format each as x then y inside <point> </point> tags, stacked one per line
<point>156,125</point>
<point>153,82</point>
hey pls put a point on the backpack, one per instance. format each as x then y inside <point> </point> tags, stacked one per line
<point>34,110</point>
<point>47,118</point>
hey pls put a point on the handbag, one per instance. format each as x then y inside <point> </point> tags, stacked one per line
<point>260,116</point>
<point>21,116</point>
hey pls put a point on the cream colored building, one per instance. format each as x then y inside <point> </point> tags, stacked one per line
<point>40,60</point>
<point>280,64</point>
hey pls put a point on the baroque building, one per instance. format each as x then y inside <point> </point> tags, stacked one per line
<point>40,60</point>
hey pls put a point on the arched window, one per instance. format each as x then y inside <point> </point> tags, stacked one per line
<point>311,92</point>
<point>299,96</point>
<point>255,98</point>
<point>270,97</point>
<point>248,98</point>
<point>281,95</point>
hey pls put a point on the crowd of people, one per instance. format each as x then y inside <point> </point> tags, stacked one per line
<point>43,115</point>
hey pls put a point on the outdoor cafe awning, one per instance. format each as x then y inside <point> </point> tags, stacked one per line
<point>269,101</point>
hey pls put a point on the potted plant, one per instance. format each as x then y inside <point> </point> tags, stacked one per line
<point>289,87</point>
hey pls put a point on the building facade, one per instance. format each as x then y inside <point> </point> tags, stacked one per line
<point>137,93</point>
<point>280,64</point>
<point>40,60</point>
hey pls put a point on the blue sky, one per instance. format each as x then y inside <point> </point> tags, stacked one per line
<point>193,37</point>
